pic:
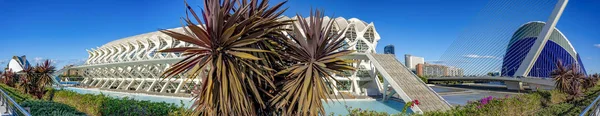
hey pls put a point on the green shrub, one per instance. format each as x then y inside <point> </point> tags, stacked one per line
<point>48,108</point>
<point>423,78</point>
<point>15,94</point>
<point>104,105</point>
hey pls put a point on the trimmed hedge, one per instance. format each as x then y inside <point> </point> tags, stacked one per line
<point>102,105</point>
<point>48,108</point>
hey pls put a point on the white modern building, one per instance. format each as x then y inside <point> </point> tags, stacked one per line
<point>411,61</point>
<point>133,63</point>
<point>17,64</point>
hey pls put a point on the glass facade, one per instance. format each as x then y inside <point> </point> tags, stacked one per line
<point>389,49</point>
<point>557,49</point>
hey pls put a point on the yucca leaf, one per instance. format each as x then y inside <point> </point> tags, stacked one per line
<point>243,55</point>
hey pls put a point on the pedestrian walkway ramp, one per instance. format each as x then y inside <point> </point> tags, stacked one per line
<point>408,86</point>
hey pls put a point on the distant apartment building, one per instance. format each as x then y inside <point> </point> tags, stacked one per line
<point>70,71</point>
<point>389,49</point>
<point>412,61</point>
<point>436,70</point>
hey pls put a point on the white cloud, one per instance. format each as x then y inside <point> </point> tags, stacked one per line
<point>38,59</point>
<point>437,61</point>
<point>588,58</point>
<point>3,61</point>
<point>475,56</point>
<point>597,45</point>
<point>76,61</point>
<point>54,61</point>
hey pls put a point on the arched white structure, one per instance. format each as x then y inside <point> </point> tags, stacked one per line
<point>17,64</point>
<point>132,63</point>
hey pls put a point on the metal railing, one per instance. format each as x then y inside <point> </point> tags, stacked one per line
<point>11,107</point>
<point>594,106</point>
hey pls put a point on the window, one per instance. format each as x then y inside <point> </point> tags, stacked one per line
<point>362,47</point>
<point>369,35</point>
<point>351,33</point>
<point>344,85</point>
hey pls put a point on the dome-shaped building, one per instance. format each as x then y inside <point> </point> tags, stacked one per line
<point>17,64</point>
<point>557,49</point>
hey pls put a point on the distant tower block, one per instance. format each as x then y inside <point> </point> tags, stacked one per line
<point>389,49</point>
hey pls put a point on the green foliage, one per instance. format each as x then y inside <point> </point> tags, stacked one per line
<point>48,108</point>
<point>423,78</point>
<point>182,111</point>
<point>518,105</point>
<point>15,94</point>
<point>544,103</point>
<point>104,105</point>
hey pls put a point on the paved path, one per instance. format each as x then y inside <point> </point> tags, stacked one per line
<point>406,84</point>
<point>3,110</point>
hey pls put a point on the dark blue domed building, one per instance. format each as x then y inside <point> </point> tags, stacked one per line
<point>558,48</point>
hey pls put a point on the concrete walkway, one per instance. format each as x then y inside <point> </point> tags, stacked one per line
<point>406,84</point>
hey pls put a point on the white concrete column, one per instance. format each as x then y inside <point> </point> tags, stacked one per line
<point>356,86</point>
<point>162,90</point>
<point>100,82</point>
<point>152,85</point>
<point>335,90</point>
<point>113,83</point>
<point>121,84</point>
<point>139,86</point>
<point>512,85</point>
<point>385,89</point>
<point>179,86</point>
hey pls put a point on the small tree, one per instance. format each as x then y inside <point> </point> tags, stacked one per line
<point>9,78</point>
<point>570,80</point>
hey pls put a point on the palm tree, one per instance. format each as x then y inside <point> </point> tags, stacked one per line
<point>249,67</point>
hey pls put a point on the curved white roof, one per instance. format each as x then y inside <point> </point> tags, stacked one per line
<point>361,36</point>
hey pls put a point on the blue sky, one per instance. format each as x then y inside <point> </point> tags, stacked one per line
<point>62,30</point>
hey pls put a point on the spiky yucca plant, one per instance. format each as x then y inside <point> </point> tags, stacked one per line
<point>10,78</point>
<point>43,73</point>
<point>316,52</point>
<point>233,83</point>
<point>27,79</point>
<point>249,67</point>
<point>561,77</point>
<point>570,80</point>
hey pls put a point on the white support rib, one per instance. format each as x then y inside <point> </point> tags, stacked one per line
<point>151,85</point>
<point>164,87</point>
<point>541,40</point>
<point>113,83</point>
<point>179,87</point>
<point>121,84</point>
<point>141,85</point>
<point>100,82</point>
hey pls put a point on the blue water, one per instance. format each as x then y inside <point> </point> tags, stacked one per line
<point>69,82</point>
<point>187,101</point>
<point>334,106</point>
<point>463,99</point>
<point>389,106</point>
